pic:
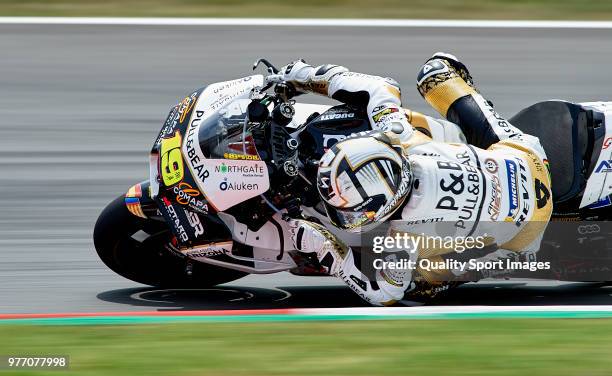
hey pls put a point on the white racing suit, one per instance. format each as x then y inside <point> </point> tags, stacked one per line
<point>380,96</point>
<point>498,176</point>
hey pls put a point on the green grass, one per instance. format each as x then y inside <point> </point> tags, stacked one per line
<point>463,9</point>
<point>409,347</point>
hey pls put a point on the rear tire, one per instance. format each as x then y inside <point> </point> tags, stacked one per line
<point>148,262</point>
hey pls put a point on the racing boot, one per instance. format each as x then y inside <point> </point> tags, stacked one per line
<point>446,84</point>
<point>457,65</point>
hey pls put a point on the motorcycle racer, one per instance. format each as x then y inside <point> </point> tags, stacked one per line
<point>496,185</point>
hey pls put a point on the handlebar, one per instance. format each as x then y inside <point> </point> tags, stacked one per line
<point>284,91</point>
<point>274,75</point>
<point>274,79</point>
<point>271,68</point>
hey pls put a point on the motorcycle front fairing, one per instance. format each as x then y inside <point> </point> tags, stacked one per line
<point>189,114</point>
<point>178,166</point>
<point>205,161</point>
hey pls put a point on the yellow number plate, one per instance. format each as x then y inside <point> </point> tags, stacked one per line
<point>171,161</point>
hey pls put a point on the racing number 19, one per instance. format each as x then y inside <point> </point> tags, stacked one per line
<point>171,161</point>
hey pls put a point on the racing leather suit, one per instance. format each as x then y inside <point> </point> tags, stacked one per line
<point>495,185</point>
<point>380,96</point>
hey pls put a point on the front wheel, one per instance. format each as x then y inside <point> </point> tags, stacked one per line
<point>133,248</point>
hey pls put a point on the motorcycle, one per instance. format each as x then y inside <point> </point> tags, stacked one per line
<point>235,159</point>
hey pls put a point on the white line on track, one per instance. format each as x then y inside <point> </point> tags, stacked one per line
<point>316,22</point>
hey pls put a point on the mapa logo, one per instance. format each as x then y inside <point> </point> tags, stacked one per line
<point>604,166</point>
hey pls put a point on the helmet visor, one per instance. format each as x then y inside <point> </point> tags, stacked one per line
<point>353,219</point>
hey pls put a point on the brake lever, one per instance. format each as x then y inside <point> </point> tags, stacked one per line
<point>271,68</point>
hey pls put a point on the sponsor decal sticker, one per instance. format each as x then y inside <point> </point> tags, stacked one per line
<point>194,222</point>
<point>460,186</point>
<point>512,174</point>
<point>188,196</point>
<point>230,84</point>
<point>495,203</point>
<point>209,250</point>
<point>387,111</point>
<point>231,182</point>
<point>607,201</point>
<point>241,156</point>
<point>250,170</point>
<point>605,166</point>
<point>345,115</point>
<point>491,165</point>
<point>517,191</point>
<point>422,221</point>
<point>175,221</point>
<point>191,148</point>
<point>238,186</point>
<point>186,105</point>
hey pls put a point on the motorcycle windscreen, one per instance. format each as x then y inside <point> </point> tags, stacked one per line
<point>223,159</point>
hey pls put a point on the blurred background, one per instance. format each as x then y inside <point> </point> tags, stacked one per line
<point>445,9</point>
<point>80,106</point>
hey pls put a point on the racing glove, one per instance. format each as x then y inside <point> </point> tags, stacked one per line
<point>387,286</point>
<point>380,96</point>
<point>306,78</point>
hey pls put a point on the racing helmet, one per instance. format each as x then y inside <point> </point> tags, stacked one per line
<point>363,180</point>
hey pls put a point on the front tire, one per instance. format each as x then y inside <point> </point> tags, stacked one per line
<point>147,261</point>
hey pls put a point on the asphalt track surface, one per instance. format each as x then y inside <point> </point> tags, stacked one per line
<point>81,105</point>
